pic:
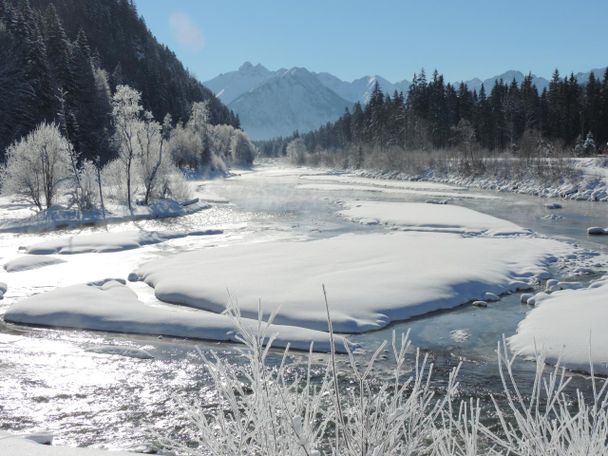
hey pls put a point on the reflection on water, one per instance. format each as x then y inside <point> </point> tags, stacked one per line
<point>69,382</point>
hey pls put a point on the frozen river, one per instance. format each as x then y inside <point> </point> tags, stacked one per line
<point>114,391</point>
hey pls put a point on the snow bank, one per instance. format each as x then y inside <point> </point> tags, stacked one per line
<point>58,217</point>
<point>109,241</point>
<point>393,191</point>
<point>378,182</point>
<point>112,306</point>
<point>430,217</point>
<point>568,324</point>
<point>39,445</point>
<point>372,279</point>
<point>27,262</point>
<point>592,185</point>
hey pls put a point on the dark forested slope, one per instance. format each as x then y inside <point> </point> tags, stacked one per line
<point>59,58</point>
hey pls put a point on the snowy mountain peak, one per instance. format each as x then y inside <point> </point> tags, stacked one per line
<point>250,67</point>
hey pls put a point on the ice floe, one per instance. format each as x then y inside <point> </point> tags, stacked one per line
<point>567,325</point>
<point>109,241</point>
<point>112,306</point>
<point>372,278</point>
<point>430,217</point>
<point>27,262</point>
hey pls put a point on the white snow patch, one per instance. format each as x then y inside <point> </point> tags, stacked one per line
<point>569,325</point>
<point>382,183</point>
<point>109,241</point>
<point>21,220</point>
<point>392,191</point>
<point>112,306</point>
<point>431,217</point>
<point>39,445</point>
<point>372,279</point>
<point>27,262</point>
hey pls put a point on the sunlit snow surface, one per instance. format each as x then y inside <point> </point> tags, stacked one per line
<point>569,326</point>
<point>108,390</point>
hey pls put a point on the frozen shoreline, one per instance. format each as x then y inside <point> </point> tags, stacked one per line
<point>593,185</point>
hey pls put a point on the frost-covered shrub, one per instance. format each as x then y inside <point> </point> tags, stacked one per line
<point>89,185</point>
<point>296,152</point>
<point>37,164</point>
<point>199,145</point>
<point>174,185</point>
<point>242,151</point>
<point>271,408</point>
<point>115,181</point>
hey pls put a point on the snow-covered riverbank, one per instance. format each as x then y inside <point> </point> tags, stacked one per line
<point>383,252</point>
<point>591,183</point>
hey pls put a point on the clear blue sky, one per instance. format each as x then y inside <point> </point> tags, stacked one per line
<point>392,38</point>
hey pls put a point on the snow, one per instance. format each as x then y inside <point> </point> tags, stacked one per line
<point>349,179</point>
<point>591,185</point>
<point>16,217</point>
<point>569,325</point>
<point>391,190</point>
<point>27,262</point>
<point>111,306</point>
<point>430,217</point>
<point>398,275</point>
<point>109,241</point>
<point>39,445</point>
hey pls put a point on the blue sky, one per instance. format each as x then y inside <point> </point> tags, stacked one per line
<point>392,38</point>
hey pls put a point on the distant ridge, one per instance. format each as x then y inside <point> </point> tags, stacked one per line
<point>276,103</point>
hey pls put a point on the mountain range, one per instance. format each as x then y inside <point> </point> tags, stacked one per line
<point>277,103</point>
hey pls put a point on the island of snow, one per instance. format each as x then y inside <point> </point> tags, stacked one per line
<point>569,326</point>
<point>109,241</point>
<point>59,217</point>
<point>27,262</point>
<point>426,217</point>
<point>112,306</point>
<point>372,279</point>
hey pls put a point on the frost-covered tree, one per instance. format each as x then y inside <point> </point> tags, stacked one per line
<point>296,151</point>
<point>242,150</point>
<point>37,164</point>
<point>151,138</point>
<point>126,111</point>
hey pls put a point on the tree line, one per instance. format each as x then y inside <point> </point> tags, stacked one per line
<point>61,61</point>
<point>435,115</point>
<point>149,162</point>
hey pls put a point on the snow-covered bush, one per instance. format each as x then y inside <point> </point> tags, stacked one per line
<point>89,185</point>
<point>242,151</point>
<point>37,164</point>
<point>114,179</point>
<point>201,146</point>
<point>296,152</point>
<point>126,112</point>
<point>271,407</point>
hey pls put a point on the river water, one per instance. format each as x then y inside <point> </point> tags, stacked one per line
<point>89,388</point>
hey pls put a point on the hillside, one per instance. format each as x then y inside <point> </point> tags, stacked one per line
<point>295,100</point>
<point>63,44</point>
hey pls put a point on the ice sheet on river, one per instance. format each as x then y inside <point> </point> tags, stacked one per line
<point>372,279</point>
<point>569,325</point>
<point>112,306</point>
<point>109,241</point>
<point>430,217</point>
